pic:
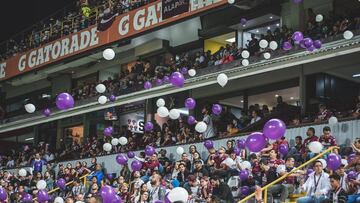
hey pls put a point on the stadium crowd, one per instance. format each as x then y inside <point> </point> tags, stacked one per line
<point>214,178</point>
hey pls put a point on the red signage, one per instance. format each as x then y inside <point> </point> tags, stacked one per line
<point>124,26</point>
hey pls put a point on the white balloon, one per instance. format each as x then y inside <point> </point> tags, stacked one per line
<point>114,141</point>
<point>315,147</point>
<point>344,162</point>
<point>178,194</point>
<point>231,1</point>
<point>245,62</point>
<point>319,18</point>
<point>22,172</point>
<point>333,120</point>
<point>323,162</point>
<point>123,140</point>
<point>222,79</point>
<point>192,72</point>
<point>108,54</point>
<point>263,43</point>
<point>174,114</point>
<point>102,99</point>
<point>41,185</point>
<point>267,55</point>
<point>200,127</point>
<point>245,54</point>
<point>273,45</point>
<point>58,200</point>
<point>348,34</point>
<point>160,102</point>
<point>107,147</point>
<point>30,108</point>
<point>180,150</point>
<point>163,112</point>
<point>100,88</point>
<point>245,165</point>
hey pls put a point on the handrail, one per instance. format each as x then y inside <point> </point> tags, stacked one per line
<point>265,188</point>
<point>69,183</point>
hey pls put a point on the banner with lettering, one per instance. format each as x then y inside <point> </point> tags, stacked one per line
<point>124,26</point>
<point>172,8</point>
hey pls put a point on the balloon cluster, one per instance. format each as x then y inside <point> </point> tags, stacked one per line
<point>108,132</point>
<point>109,195</point>
<point>306,43</point>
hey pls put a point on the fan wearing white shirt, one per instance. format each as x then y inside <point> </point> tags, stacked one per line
<point>316,186</point>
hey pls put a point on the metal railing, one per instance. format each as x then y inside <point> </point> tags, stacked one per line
<point>67,184</point>
<point>266,187</point>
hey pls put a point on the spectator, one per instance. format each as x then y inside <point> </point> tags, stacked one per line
<point>255,118</point>
<point>210,131</point>
<point>337,193</point>
<point>221,190</point>
<point>327,140</point>
<point>324,114</point>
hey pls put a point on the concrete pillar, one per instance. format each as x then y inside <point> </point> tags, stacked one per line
<point>302,89</point>
<point>36,135</point>
<point>61,83</point>
<point>86,124</point>
<point>293,15</point>
<point>246,102</point>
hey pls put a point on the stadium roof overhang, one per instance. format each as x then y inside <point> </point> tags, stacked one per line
<point>329,50</point>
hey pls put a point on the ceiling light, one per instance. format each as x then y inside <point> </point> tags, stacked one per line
<point>28,139</point>
<point>276,95</point>
<point>292,98</point>
<point>231,40</point>
<point>356,75</point>
<point>257,30</point>
<point>242,101</point>
<point>268,28</point>
<point>271,17</point>
<point>244,25</point>
<point>277,24</point>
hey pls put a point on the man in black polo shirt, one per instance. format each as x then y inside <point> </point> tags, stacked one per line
<point>199,170</point>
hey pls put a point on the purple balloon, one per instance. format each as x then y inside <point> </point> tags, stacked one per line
<point>237,151</point>
<point>287,46</point>
<point>42,196</point>
<point>333,161</point>
<point>317,44</point>
<point>283,149</point>
<point>131,154</point>
<point>136,165</point>
<point>37,166</point>
<point>108,131</point>
<point>297,36</point>
<point>121,159</point>
<point>191,120</point>
<point>241,143</point>
<point>112,98</point>
<point>3,194</point>
<point>26,198</point>
<point>274,129</point>
<point>352,175</point>
<point>311,49</point>
<point>297,1</point>
<point>47,112</point>
<point>166,79</point>
<point>244,174</point>
<point>64,101</point>
<point>149,150</point>
<point>177,79</point>
<point>184,70</point>
<point>351,158</point>
<point>209,144</point>
<point>308,42</point>
<point>109,176</point>
<point>117,199</point>
<point>255,142</point>
<point>147,85</point>
<point>61,183</point>
<point>158,201</point>
<point>190,103</point>
<point>302,44</point>
<point>243,21</point>
<point>216,109</point>
<point>309,171</point>
<point>158,82</point>
<point>245,190</point>
<point>108,194</point>
<point>149,126</point>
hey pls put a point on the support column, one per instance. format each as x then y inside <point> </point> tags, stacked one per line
<point>36,135</point>
<point>59,133</point>
<point>86,124</point>
<point>149,110</point>
<point>293,15</point>
<point>246,102</point>
<point>60,84</point>
<point>302,89</point>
